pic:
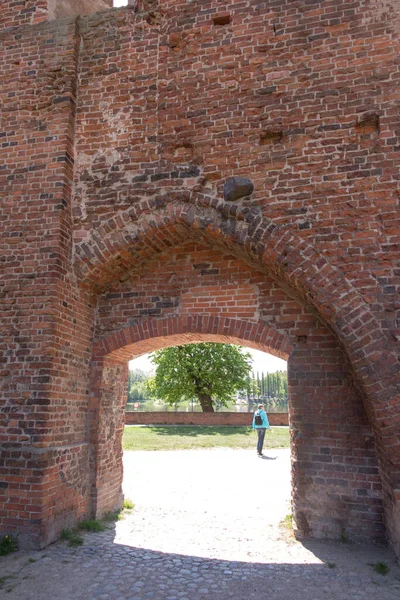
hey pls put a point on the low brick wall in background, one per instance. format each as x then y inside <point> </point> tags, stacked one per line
<point>188,418</point>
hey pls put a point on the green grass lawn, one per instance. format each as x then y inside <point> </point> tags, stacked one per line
<point>189,437</point>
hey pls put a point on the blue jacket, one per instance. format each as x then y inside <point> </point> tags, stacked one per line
<point>265,423</point>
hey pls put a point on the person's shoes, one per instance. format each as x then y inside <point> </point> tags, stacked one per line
<point>260,455</point>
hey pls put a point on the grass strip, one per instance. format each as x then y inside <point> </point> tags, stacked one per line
<point>71,537</point>
<point>190,437</point>
<point>92,525</point>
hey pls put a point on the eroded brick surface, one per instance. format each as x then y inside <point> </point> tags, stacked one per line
<point>119,130</point>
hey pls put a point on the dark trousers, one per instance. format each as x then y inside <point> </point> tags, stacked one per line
<point>261,435</point>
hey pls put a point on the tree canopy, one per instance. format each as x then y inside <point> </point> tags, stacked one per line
<point>207,372</point>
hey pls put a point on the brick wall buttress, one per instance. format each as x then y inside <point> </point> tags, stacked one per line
<point>46,319</point>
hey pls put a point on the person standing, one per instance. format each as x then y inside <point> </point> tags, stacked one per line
<point>260,424</point>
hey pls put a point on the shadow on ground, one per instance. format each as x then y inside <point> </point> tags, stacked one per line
<point>102,569</point>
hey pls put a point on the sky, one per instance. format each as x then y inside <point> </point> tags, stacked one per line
<point>120,2</point>
<point>262,362</point>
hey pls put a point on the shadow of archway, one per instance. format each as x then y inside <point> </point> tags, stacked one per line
<point>103,569</point>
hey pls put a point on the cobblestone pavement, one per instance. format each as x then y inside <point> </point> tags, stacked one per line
<point>206,525</point>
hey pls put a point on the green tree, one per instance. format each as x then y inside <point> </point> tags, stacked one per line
<point>137,375</point>
<point>137,390</point>
<point>272,386</point>
<point>206,372</point>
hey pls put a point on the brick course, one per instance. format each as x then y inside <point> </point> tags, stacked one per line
<point>121,128</point>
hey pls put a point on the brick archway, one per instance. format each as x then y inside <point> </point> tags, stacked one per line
<point>309,476</point>
<point>109,372</point>
<point>155,225</point>
<point>158,224</point>
<point>152,334</point>
<point>122,158</point>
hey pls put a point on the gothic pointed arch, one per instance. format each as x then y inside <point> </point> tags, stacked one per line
<point>128,241</point>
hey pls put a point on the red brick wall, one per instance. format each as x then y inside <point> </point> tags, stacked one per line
<point>46,319</point>
<point>121,129</point>
<point>193,279</point>
<point>332,443</point>
<point>17,13</point>
<point>334,465</point>
<point>109,380</point>
<point>197,418</point>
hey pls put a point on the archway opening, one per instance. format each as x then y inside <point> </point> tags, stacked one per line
<point>331,459</point>
<point>266,382</point>
<point>198,499</point>
<point>172,288</point>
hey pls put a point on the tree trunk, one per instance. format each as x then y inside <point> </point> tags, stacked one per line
<point>206,403</point>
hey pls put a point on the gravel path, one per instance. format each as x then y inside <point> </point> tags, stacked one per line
<point>206,526</point>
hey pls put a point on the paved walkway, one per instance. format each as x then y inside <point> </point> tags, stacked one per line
<point>205,527</point>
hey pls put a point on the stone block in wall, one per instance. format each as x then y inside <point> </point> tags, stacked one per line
<point>71,8</point>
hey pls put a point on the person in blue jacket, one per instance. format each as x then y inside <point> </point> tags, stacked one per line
<point>261,429</point>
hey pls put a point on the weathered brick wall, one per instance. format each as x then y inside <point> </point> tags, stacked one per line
<point>266,91</point>
<point>45,319</point>
<point>195,279</point>
<point>109,380</point>
<point>183,101</point>
<point>335,469</point>
<point>197,418</point>
<point>16,13</point>
<point>336,482</point>
<point>120,130</point>
<point>57,9</point>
